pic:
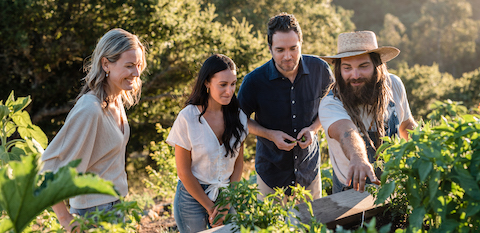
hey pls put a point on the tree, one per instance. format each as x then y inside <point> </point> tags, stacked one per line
<point>394,33</point>
<point>43,49</point>
<point>446,34</point>
<point>321,21</point>
<point>424,85</point>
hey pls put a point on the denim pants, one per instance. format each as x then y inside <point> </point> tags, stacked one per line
<point>189,214</point>
<point>103,207</point>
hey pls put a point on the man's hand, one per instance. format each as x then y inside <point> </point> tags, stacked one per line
<point>305,137</point>
<point>282,140</point>
<point>353,146</point>
<point>358,171</point>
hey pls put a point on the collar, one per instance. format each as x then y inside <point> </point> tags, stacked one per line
<point>273,73</point>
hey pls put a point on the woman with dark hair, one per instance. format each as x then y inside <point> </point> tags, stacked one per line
<point>208,137</point>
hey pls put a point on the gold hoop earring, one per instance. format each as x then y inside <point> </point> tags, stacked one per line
<point>106,75</point>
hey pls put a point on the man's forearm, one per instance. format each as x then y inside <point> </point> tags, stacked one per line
<point>353,145</point>
<point>258,130</point>
<point>316,125</point>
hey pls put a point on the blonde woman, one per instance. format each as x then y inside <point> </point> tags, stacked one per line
<point>96,129</point>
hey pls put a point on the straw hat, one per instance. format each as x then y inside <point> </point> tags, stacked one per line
<point>357,43</point>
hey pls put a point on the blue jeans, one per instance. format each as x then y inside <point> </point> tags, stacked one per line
<point>337,185</point>
<point>104,207</point>
<point>189,214</point>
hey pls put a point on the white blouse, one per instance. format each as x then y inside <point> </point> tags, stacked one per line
<point>209,164</point>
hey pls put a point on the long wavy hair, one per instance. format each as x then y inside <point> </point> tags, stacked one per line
<point>111,46</point>
<point>380,96</point>
<point>231,118</point>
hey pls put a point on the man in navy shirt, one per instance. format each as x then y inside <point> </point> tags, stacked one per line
<point>285,94</point>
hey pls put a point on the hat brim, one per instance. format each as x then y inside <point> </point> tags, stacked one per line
<point>387,53</point>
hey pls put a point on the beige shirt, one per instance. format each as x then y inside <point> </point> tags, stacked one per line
<point>90,133</point>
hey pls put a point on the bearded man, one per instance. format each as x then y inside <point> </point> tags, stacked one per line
<point>364,104</point>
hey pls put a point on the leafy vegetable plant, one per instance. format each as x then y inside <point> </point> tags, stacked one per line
<point>437,174</point>
<point>14,119</point>
<point>24,193</point>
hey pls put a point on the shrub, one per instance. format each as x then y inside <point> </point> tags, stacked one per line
<point>436,175</point>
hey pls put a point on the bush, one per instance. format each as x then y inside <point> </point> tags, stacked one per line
<point>436,175</point>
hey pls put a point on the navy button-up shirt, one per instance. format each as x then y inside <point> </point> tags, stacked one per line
<point>279,104</point>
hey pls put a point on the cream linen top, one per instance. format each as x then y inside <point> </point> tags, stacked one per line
<point>91,133</point>
<point>209,164</point>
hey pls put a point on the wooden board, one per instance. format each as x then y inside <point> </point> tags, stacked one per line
<point>342,208</point>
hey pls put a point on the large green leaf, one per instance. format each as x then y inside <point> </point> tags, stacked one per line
<point>385,191</point>
<point>19,104</point>
<point>416,218</point>
<point>28,130</point>
<point>467,182</point>
<point>424,168</point>
<point>23,200</point>
<point>5,224</point>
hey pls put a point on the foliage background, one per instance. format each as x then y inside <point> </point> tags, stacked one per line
<point>43,45</point>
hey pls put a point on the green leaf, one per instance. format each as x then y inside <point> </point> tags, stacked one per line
<point>472,209</point>
<point>22,119</point>
<point>448,225</point>
<point>3,112</point>
<point>23,200</point>
<point>416,218</point>
<point>412,191</point>
<point>385,191</point>
<point>4,155</point>
<point>19,104</point>
<point>427,151</point>
<point>9,128</point>
<point>467,182</point>
<point>433,184</point>
<point>424,168</point>
<point>5,225</point>
<point>28,130</point>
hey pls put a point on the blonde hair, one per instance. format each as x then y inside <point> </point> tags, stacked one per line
<point>111,46</point>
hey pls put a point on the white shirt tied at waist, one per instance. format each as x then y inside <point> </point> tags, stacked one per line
<point>214,189</point>
<point>209,164</point>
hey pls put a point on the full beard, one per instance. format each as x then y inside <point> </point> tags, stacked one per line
<point>366,94</point>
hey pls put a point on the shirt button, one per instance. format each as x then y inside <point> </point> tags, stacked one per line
<point>293,182</point>
<point>291,88</point>
<point>293,101</point>
<point>295,170</point>
<point>294,116</point>
<point>296,157</point>
<point>294,130</point>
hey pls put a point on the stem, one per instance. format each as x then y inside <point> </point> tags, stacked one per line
<point>12,142</point>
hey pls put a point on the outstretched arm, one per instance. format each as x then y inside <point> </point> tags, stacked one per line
<point>353,146</point>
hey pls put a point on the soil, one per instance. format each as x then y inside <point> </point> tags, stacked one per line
<point>158,219</point>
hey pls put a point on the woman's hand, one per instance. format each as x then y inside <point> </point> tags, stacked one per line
<point>214,214</point>
<point>65,222</point>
